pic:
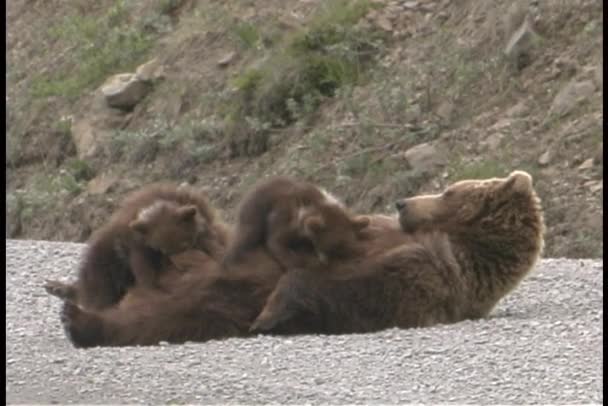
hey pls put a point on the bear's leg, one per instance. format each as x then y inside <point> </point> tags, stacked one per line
<point>84,329</point>
<point>145,272</point>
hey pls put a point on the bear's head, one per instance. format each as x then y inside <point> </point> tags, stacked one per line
<point>168,227</point>
<point>494,206</point>
<point>332,229</point>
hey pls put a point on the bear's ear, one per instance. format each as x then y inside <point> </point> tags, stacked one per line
<point>139,226</point>
<point>361,222</point>
<point>314,224</point>
<point>519,181</point>
<point>186,213</point>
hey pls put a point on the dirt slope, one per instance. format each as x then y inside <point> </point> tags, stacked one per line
<point>373,100</point>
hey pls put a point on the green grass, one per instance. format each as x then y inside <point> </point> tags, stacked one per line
<point>100,47</point>
<point>478,170</point>
<point>247,35</point>
<point>308,66</point>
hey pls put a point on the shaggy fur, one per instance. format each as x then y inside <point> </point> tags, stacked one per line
<point>152,223</point>
<point>269,215</point>
<point>467,248</point>
<point>203,304</point>
<point>200,304</point>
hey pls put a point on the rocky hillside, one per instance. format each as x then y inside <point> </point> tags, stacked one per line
<point>373,100</point>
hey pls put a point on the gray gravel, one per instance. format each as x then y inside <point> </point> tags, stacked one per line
<point>543,345</point>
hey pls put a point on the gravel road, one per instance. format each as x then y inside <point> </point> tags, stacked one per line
<point>542,345</point>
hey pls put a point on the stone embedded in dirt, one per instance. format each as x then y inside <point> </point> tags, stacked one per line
<point>424,157</point>
<point>588,164</point>
<point>570,96</point>
<point>83,134</point>
<point>545,158</point>
<point>150,71</point>
<point>95,123</point>
<point>101,184</point>
<point>384,23</point>
<point>226,59</point>
<point>124,90</point>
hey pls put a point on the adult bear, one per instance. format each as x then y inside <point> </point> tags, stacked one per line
<point>206,302</point>
<point>469,247</point>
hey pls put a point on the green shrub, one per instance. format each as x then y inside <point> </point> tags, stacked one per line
<point>310,65</point>
<point>102,46</point>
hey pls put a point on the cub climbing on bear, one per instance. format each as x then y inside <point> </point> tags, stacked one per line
<point>466,249</point>
<point>271,215</point>
<point>134,247</point>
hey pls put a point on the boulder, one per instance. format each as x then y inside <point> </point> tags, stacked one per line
<point>124,91</point>
<point>570,96</point>
<point>150,71</point>
<point>425,157</point>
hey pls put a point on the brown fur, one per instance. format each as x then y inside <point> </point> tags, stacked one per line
<point>133,247</point>
<point>334,232</point>
<point>468,248</point>
<point>269,216</point>
<point>203,304</point>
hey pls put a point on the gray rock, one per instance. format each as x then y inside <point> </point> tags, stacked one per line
<point>124,91</point>
<point>425,157</point>
<point>587,164</point>
<point>101,184</point>
<point>570,96</point>
<point>384,23</point>
<point>545,158</point>
<point>94,125</point>
<point>150,71</point>
<point>226,59</point>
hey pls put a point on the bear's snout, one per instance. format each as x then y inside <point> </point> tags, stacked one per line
<point>400,205</point>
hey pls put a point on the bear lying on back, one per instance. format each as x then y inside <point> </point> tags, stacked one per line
<point>152,223</point>
<point>468,247</point>
<point>204,303</point>
<point>270,215</point>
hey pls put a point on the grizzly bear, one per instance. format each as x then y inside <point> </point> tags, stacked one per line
<point>151,224</point>
<point>205,303</point>
<point>468,247</point>
<point>269,215</point>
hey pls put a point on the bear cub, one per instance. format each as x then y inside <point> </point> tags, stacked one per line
<point>133,248</point>
<point>283,214</point>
